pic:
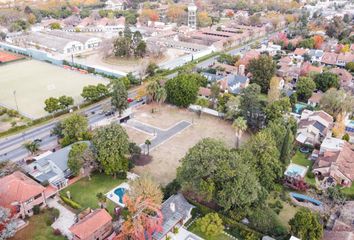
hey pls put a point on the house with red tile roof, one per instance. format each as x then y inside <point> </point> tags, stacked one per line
<point>97,225</point>
<point>346,78</point>
<point>23,193</point>
<point>315,99</point>
<point>336,166</point>
<point>307,68</point>
<point>247,57</point>
<point>298,53</point>
<point>344,58</point>
<point>329,58</point>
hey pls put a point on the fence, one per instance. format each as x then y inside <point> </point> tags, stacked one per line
<point>197,108</point>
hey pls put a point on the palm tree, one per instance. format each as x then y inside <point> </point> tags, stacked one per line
<point>32,146</point>
<point>239,125</point>
<point>148,143</point>
<point>161,95</point>
<point>151,89</point>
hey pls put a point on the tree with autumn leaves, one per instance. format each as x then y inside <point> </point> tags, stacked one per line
<point>143,202</point>
<point>148,14</point>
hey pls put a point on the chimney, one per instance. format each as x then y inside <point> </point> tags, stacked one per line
<point>172,207</point>
<point>241,70</point>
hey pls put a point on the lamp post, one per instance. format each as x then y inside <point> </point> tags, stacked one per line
<point>14,92</point>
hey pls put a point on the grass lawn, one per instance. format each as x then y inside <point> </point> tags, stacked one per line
<point>37,229</point>
<point>194,230</point>
<point>301,159</point>
<point>349,192</point>
<point>84,191</point>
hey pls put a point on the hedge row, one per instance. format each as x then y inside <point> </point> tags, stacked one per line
<point>234,228</point>
<point>70,202</point>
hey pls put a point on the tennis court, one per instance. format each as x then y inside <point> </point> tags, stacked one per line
<point>30,82</point>
<point>6,57</point>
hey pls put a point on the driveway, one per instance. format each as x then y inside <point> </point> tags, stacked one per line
<point>161,135</point>
<point>65,220</point>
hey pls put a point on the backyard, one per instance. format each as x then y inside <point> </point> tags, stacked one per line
<point>166,157</point>
<point>84,191</point>
<point>196,231</point>
<point>302,159</point>
<point>38,229</point>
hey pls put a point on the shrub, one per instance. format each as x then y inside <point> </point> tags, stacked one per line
<point>36,210</point>
<point>57,232</point>
<point>175,230</point>
<point>70,202</point>
<point>310,174</point>
<point>171,189</point>
<point>12,113</point>
<point>211,224</point>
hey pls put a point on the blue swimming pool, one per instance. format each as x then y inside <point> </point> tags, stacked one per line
<point>119,192</point>
<point>302,198</point>
<point>294,170</point>
<point>299,107</point>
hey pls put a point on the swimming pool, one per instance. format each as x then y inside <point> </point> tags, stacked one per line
<point>299,107</point>
<point>119,192</point>
<point>295,170</point>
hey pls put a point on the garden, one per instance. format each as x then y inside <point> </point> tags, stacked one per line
<point>84,192</point>
<point>39,227</point>
<point>302,159</point>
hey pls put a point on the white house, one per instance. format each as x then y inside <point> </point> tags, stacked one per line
<point>115,4</point>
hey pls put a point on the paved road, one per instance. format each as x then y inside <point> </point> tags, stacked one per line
<point>161,135</point>
<point>11,148</point>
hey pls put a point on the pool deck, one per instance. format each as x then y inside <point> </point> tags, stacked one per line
<point>113,197</point>
<point>289,171</point>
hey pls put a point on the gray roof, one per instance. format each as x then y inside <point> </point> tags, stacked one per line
<point>46,176</point>
<point>48,40</point>
<point>232,80</point>
<point>81,37</point>
<point>170,217</point>
<point>211,77</point>
<point>315,53</point>
<point>319,126</point>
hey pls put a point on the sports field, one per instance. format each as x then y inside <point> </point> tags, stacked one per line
<point>34,81</point>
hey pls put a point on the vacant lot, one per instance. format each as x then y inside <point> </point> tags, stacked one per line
<point>166,156</point>
<point>136,136</point>
<point>31,82</point>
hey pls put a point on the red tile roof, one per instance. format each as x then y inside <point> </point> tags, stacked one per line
<point>300,51</point>
<point>346,57</point>
<point>344,76</point>
<point>91,223</point>
<point>204,91</point>
<point>17,187</point>
<point>329,58</point>
<point>316,97</point>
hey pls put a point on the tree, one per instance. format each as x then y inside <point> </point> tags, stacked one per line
<point>214,93</point>
<point>277,109</point>
<point>182,90</point>
<point>111,146</point>
<point>264,156</point>
<point>161,95</point>
<point>326,80</point>
<point>32,146</point>
<point>239,125</point>
<point>251,106</point>
<point>76,157</point>
<point>203,19</point>
<point>119,96</point>
<point>151,68</point>
<point>265,220</point>
<point>335,28</point>
<point>337,102</point>
<point>262,70</point>
<point>232,107</point>
<point>147,144</point>
<point>74,129</point>
<point>318,41</point>
<point>203,102</point>
<point>65,102</point>
<point>101,199</point>
<point>149,15</point>
<point>94,93</point>
<point>55,26</point>
<point>304,88</point>
<point>144,219</point>
<point>211,224</point>
<point>51,105</point>
<point>176,13</point>
<point>8,226</point>
<point>306,225</point>
<point>273,92</point>
<point>146,188</point>
<point>350,66</point>
<point>214,172</point>
<point>307,43</point>
<point>346,137</point>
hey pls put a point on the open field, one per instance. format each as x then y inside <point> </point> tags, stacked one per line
<point>136,136</point>
<point>166,157</point>
<point>33,81</point>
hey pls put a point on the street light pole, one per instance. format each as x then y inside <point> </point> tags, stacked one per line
<point>14,92</point>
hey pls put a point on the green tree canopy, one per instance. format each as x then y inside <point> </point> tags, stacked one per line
<point>65,101</point>
<point>211,224</point>
<point>76,160</point>
<point>182,90</point>
<point>304,88</point>
<point>74,129</point>
<point>262,70</point>
<point>119,96</point>
<point>326,80</point>
<point>111,145</point>
<point>94,93</point>
<point>336,101</point>
<point>51,105</point>
<point>277,109</point>
<point>306,225</point>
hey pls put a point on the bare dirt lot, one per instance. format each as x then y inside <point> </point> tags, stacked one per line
<point>136,136</point>
<point>166,156</point>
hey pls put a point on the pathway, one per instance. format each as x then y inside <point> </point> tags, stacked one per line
<point>65,220</point>
<point>161,135</point>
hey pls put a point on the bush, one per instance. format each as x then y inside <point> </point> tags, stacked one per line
<point>310,174</point>
<point>122,175</point>
<point>70,202</point>
<point>171,189</point>
<point>12,113</point>
<point>175,230</point>
<point>57,232</point>
<point>36,210</point>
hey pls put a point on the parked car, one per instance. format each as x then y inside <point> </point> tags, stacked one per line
<point>130,100</point>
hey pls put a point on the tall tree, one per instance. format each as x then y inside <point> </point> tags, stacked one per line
<point>111,145</point>
<point>76,157</point>
<point>211,224</point>
<point>65,101</point>
<point>239,125</point>
<point>277,109</point>
<point>51,105</point>
<point>161,95</point>
<point>182,90</point>
<point>73,129</point>
<point>336,102</point>
<point>326,80</point>
<point>32,146</point>
<point>274,91</point>
<point>306,225</point>
<point>287,147</point>
<point>119,96</point>
<point>304,88</point>
<point>146,188</point>
<point>262,70</point>
<point>152,88</point>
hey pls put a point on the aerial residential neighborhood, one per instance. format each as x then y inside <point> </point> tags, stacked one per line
<point>177,120</point>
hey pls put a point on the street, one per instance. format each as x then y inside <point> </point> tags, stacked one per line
<point>11,148</point>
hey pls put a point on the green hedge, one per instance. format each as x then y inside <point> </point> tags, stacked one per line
<point>70,202</point>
